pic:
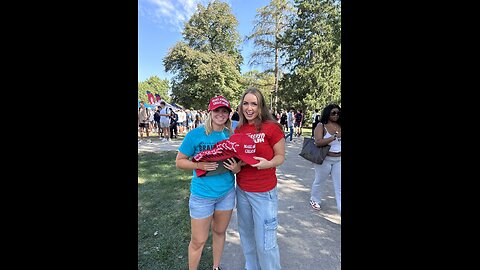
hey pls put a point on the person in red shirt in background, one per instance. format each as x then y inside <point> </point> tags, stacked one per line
<point>257,195</point>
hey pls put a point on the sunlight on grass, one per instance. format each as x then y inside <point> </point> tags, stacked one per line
<point>163,215</point>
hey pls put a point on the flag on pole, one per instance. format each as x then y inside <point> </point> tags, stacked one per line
<point>151,99</point>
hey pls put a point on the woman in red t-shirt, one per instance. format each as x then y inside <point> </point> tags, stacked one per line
<point>257,196</point>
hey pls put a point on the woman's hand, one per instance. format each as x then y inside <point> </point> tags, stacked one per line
<point>207,166</point>
<point>232,165</point>
<point>263,164</point>
<point>277,160</point>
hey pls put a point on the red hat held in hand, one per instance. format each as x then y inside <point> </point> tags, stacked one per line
<point>238,145</point>
<point>217,102</point>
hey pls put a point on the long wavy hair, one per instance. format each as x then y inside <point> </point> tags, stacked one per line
<point>264,114</point>
<point>209,124</point>
<point>326,114</point>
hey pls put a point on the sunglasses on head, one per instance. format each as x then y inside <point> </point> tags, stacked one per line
<point>333,113</point>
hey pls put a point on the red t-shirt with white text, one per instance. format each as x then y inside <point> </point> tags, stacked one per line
<point>250,178</point>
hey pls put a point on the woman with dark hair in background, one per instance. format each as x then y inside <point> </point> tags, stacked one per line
<point>328,131</point>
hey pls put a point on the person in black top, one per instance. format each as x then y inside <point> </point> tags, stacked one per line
<point>283,120</point>
<point>173,125</point>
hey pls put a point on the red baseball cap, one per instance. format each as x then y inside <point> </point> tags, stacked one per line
<point>239,145</point>
<point>217,102</point>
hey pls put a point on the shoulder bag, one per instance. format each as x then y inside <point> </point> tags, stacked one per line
<point>312,152</point>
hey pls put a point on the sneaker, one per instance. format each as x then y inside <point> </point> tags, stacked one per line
<point>315,205</point>
<point>164,139</point>
<point>218,268</point>
<point>149,141</point>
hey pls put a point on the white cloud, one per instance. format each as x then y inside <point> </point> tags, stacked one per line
<point>169,13</point>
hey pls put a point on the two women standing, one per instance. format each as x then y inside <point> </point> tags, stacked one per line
<point>213,197</point>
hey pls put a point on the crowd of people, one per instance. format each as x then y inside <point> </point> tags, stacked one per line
<point>224,178</point>
<point>167,122</point>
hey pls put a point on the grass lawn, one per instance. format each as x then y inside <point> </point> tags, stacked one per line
<point>306,132</point>
<point>154,136</point>
<point>163,217</point>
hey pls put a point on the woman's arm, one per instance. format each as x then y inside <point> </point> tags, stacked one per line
<point>232,165</point>
<point>277,160</point>
<point>182,162</point>
<point>319,133</point>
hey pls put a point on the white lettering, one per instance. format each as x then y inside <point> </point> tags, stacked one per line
<point>205,153</point>
<point>258,138</point>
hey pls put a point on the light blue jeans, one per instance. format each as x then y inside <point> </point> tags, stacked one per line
<point>333,166</point>
<point>290,134</point>
<point>257,225</point>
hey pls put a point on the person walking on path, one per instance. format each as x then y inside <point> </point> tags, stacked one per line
<point>315,121</point>
<point>212,197</point>
<point>257,194</point>
<point>298,123</point>
<point>328,131</point>
<point>290,120</point>
<point>283,120</point>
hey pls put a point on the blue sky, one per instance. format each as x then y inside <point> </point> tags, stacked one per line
<point>160,23</point>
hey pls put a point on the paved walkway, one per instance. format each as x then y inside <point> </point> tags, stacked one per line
<point>308,239</point>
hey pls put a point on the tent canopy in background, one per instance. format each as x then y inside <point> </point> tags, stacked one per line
<point>148,106</point>
<point>178,107</point>
<point>154,105</point>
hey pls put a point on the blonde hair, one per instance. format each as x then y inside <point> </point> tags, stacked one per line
<point>209,124</point>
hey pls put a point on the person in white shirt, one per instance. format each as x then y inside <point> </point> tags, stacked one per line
<point>328,131</point>
<point>181,123</point>
<point>165,121</point>
<point>290,120</point>
<point>315,121</point>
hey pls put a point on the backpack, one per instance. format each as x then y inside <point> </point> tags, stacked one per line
<point>156,116</point>
<point>173,117</point>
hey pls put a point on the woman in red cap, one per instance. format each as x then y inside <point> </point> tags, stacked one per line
<point>212,197</point>
<point>257,196</point>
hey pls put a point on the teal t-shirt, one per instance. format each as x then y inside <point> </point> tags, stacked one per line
<point>213,186</point>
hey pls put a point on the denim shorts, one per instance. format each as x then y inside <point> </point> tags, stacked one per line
<point>204,207</point>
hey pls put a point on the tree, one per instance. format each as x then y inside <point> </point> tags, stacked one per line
<point>263,81</point>
<point>155,85</point>
<point>313,53</point>
<point>270,22</point>
<point>208,63</point>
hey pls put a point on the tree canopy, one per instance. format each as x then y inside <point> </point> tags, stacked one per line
<point>313,50</point>
<point>298,46</point>
<point>270,23</point>
<point>208,63</point>
<point>155,85</point>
